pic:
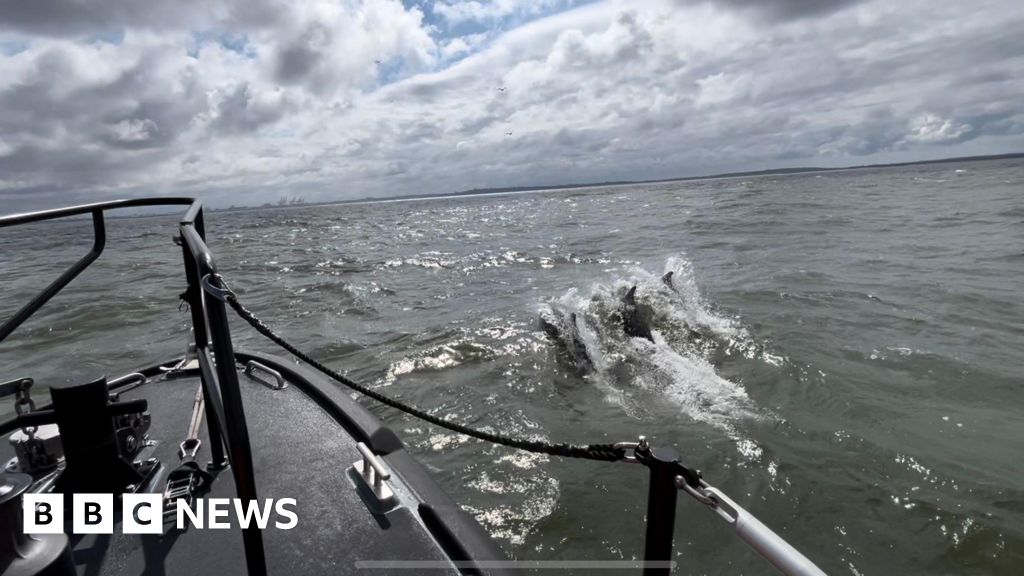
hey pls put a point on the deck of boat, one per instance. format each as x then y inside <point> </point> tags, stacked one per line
<point>304,445</point>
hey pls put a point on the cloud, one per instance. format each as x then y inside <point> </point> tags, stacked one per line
<point>152,109</point>
<point>929,128</point>
<point>330,44</point>
<point>789,9</point>
<point>456,12</point>
<point>89,17</point>
<point>453,48</point>
<point>721,89</point>
<point>347,99</point>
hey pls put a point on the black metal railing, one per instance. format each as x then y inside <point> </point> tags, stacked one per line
<point>225,416</point>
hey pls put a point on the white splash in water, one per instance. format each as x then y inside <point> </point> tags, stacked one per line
<point>678,365</point>
<point>441,357</point>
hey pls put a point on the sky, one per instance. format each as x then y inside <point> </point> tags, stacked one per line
<point>242,102</point>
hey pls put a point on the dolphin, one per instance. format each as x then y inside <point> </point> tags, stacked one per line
<point>633,321</point>
<point>667,280</point>
<point>566,330</point>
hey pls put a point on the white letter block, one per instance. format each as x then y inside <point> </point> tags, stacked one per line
<point>142,513</point>
<point>93,514</point>
<point>42,513</point>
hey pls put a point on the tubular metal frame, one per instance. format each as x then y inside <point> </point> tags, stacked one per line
<point>225,415</point>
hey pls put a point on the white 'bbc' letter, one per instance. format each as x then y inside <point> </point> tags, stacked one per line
<point>92,514</point>
<point>142,513</point>
<point>42,513</point>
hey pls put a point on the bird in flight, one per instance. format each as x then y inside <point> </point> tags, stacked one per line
<point>501,88</point>
<point>508,133</point>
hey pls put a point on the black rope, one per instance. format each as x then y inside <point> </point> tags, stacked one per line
<point>605,452</point>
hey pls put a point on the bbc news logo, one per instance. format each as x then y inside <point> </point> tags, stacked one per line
<point>143,514</point>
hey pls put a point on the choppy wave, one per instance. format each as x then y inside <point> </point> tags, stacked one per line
<point>441,357</point>
<point>513,490</point>
<point>497,258</point>
<point>493,339</point>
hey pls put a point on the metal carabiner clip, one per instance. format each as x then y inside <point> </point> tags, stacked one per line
<point>217,292</point>
<point>699,494</point>
<point>640,444</point>
<point>188,449</point>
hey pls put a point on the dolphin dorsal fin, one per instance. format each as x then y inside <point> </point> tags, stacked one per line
<point>631,295</point>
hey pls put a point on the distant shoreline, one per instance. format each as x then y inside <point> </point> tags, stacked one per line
<point>554,187</point>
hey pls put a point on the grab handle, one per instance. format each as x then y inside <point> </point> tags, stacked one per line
<point>253,365</point>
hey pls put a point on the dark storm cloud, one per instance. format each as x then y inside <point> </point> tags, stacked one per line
<point>75,120</point>
<point>295,62</point>
<point>239,112</point>
<point>789,9</point>
<point>167,104</point>
<point>86,17</point>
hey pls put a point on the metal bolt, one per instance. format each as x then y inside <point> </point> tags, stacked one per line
<point>642,444</point>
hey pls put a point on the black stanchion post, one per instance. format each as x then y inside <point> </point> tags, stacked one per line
<point>237,429</point>
<point>194,297</point>
<point>661,509</point>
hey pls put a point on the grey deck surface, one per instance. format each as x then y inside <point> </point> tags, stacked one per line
<point>298,452</point>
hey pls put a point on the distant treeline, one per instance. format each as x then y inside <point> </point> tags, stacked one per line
<point>282,201</point>
<point>298,201</point>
